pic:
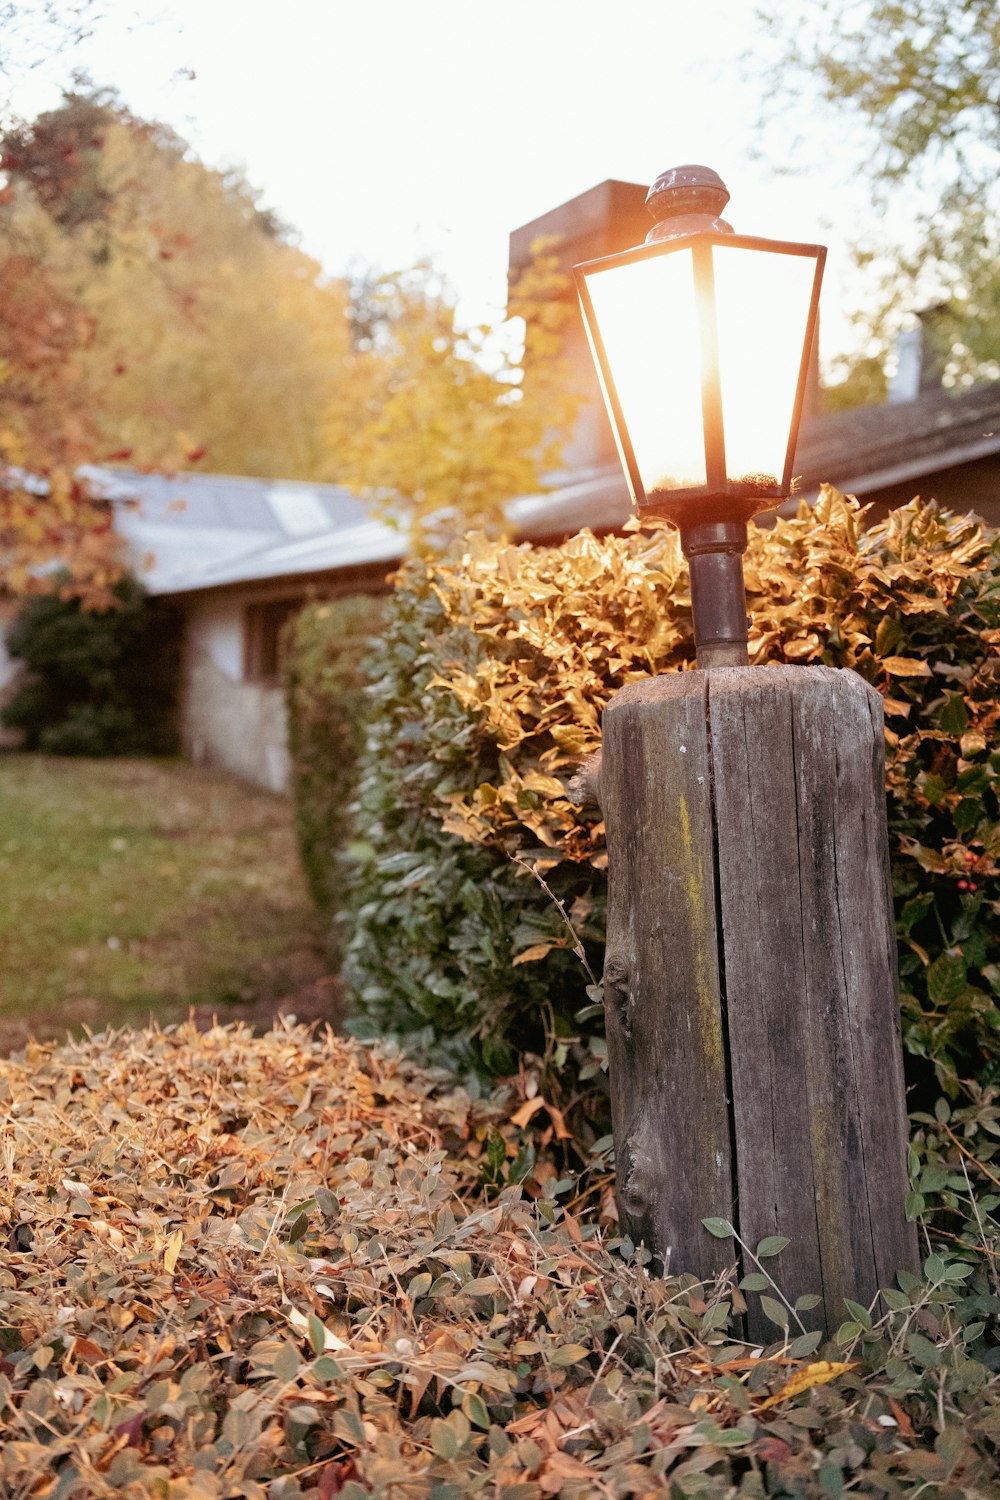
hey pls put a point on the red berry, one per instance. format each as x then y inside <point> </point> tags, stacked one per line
<point>963,885</point>
<point>972,885</point>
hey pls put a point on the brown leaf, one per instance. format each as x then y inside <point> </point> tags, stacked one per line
<point>902,1420</point>
<point>772,1450</point>
<point>333,1476</point>
<point>88,1351</point>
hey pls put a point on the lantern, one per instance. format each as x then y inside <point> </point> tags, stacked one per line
<point>702,339</point>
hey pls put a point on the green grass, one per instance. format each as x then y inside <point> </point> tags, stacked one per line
<point>137,887</point>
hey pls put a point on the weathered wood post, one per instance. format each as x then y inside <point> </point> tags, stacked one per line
<point>750,980</point>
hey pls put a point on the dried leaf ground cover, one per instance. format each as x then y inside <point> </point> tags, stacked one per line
<point>266,1267</point>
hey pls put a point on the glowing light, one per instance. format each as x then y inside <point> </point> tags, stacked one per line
<point>704,342</point>
<point>762,305</point>
<point>648,317</point>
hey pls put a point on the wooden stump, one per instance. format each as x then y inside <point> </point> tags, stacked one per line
<point>750,979</point>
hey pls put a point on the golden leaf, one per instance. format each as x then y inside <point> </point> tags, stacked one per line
<point>532,954</point>
<point>530,1107</point>
<point>172,1251</point>
<point>905,666</point>
<point>819,1373</point>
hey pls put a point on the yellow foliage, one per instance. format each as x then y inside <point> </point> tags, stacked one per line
<point>562,628</point>
<point>211,331</point>
<point>149,313</point>
<point>437,425</point>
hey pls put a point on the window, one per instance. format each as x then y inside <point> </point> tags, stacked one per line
<point>262,627</point>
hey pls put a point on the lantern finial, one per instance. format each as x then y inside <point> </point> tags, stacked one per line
<point>687,200</point>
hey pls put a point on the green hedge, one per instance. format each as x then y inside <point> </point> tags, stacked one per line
<point>438,917</point>
<point>487,689</point>
<point>97,682</point>
<point>322,651</point>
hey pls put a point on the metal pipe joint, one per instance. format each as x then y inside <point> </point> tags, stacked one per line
<point>714,550</point>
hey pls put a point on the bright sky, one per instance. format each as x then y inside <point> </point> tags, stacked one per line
<point>387,131</point>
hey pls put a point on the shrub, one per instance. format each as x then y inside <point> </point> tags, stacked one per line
<point>98,682</point>
<point>488,691</point>
<point>323,647</point>
<point>452,938</point>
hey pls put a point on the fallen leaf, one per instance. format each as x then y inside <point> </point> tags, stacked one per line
<point>819,1373</point>
<point>172,1251</point>
<point>530,1107</point>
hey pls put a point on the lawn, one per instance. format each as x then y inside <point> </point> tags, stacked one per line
<point>137,887</point>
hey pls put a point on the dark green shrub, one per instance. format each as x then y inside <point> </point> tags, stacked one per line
<point>98,682</point>
<point>323,647</point>
<point>488,687</point>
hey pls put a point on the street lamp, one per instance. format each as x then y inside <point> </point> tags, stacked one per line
<point>701,339</point>
<point>750,922</point>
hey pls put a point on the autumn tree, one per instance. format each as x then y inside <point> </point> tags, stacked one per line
<point>212,331</point>
<point>166,320</point>
<point>440,424</point>
<point>47,515</point>
<point>47,428</point>
<point>151,313</point>
<point>924,78</point>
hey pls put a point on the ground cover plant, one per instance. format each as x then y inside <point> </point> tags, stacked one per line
<point>269,1267</point>
<point>134,887</point>
<point>487,690</point>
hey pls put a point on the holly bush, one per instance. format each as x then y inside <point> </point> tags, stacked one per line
<point>484,884</point>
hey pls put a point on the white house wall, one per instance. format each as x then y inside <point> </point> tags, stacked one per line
<point>226,722</point>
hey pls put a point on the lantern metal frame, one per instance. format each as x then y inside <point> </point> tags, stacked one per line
<point>719,498</point>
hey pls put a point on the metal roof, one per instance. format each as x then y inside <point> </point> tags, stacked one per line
<point>565,510</point>
<point>177,527</point>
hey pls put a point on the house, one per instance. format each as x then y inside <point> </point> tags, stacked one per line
<point>238,556</point>
<point>227,550</point>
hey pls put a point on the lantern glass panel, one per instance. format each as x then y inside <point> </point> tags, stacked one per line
<point>762,301</point>
<point>647,314</point>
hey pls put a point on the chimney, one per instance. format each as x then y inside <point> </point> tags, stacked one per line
<point>918,363</point>
<point>609,218</point>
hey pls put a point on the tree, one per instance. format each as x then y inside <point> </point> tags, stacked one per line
<point>150,311</point>
<point>47,430</point>
<point>441,425</point>
<point>212,331</point>
<point>924,78</point>
<point>183,326</point>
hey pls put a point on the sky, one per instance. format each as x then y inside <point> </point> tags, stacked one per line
<point>386,132</point>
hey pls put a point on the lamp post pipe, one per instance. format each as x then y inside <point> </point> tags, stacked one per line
<point>714,550</point>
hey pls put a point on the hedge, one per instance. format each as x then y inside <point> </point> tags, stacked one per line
<point>322,652</point>
<point>487,690</point>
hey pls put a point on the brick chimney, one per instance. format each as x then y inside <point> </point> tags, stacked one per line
<point>609,218</point>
